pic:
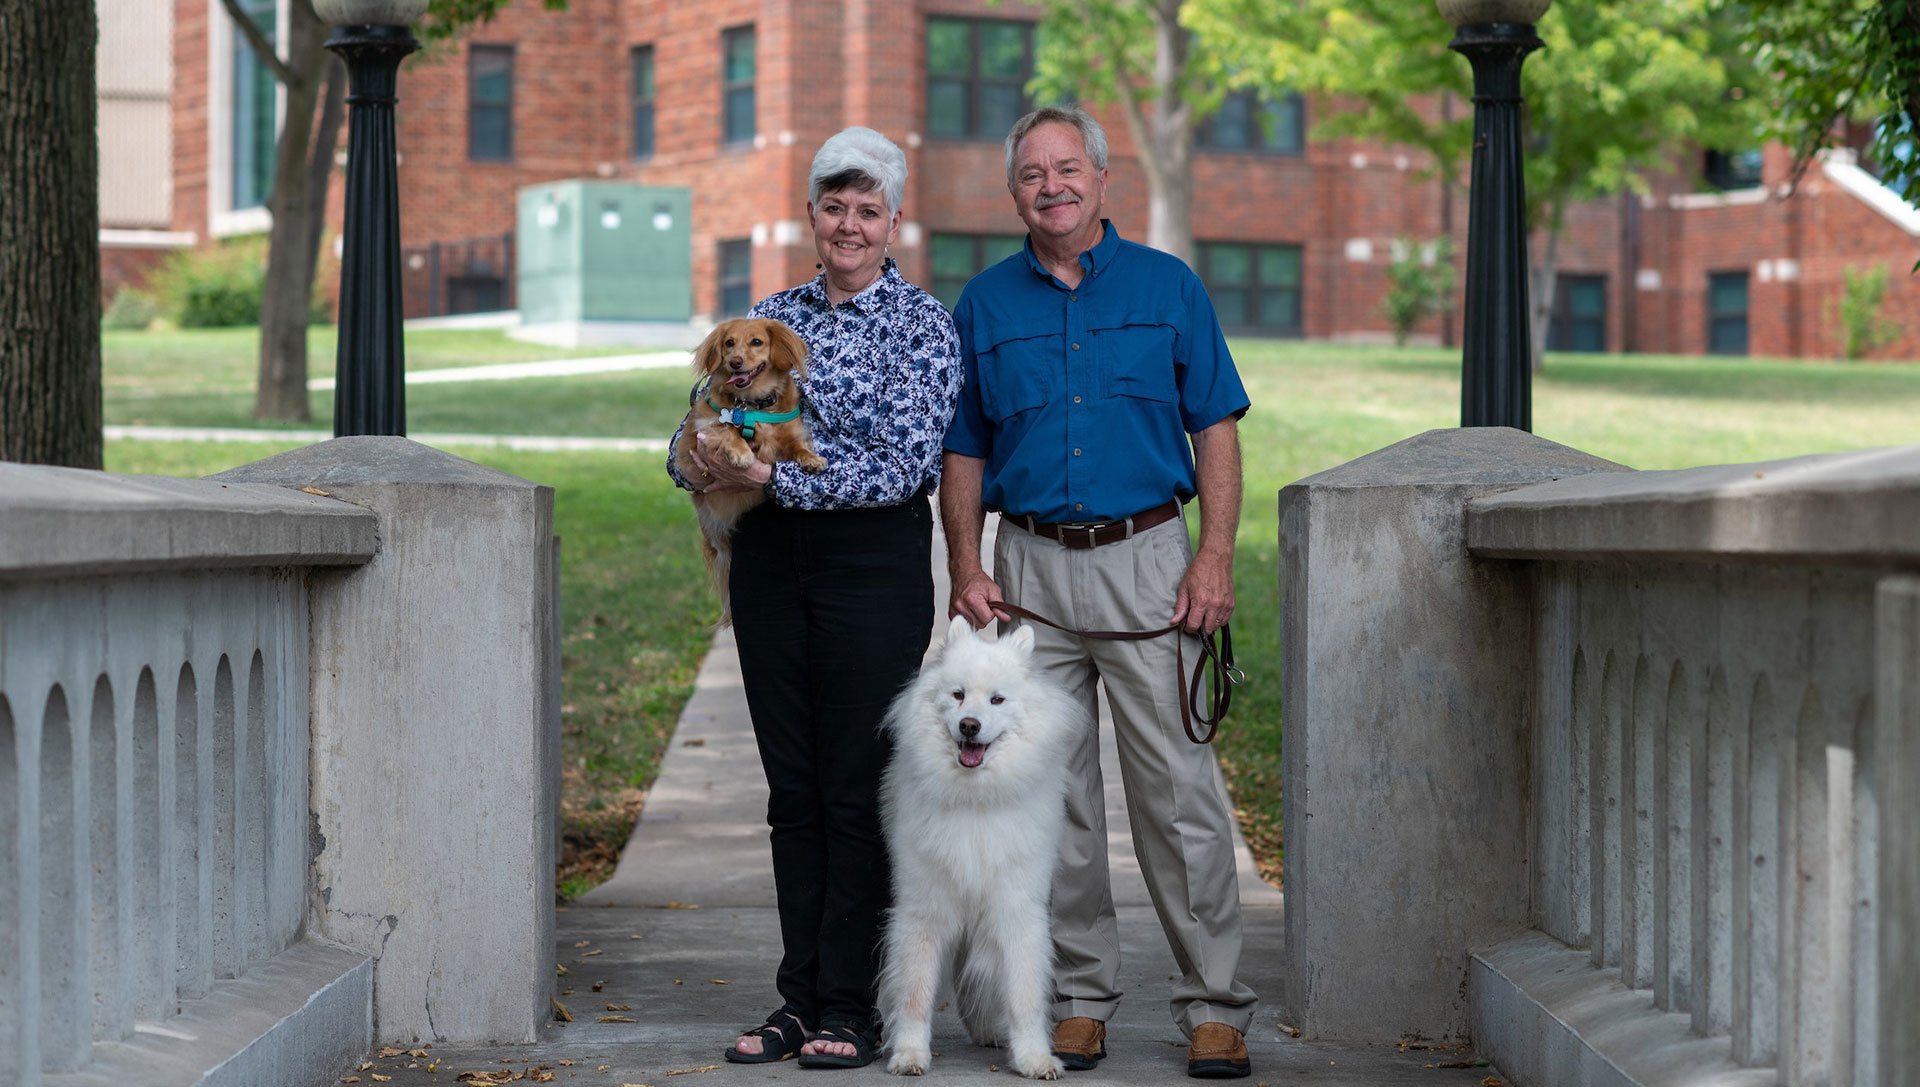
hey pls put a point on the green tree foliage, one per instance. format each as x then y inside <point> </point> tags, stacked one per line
<point>1828,61</point>
<point>1619,86</point>
<point>1419,283</point>
<point>1862,328</point>
<point>1140,55</point>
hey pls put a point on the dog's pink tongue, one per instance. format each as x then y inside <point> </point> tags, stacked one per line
<point>740,381</point>
<point>972,754</point>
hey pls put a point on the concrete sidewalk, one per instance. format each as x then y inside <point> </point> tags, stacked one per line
<point>679,948</point>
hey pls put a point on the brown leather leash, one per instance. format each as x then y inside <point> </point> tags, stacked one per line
<point>1225,677</point>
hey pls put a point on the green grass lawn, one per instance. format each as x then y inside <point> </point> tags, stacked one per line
<point>636,603</point>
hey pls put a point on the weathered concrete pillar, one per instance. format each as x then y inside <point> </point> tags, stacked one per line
<point>1407,702</point>
<point>1897,755</point>
<point>435,738</point>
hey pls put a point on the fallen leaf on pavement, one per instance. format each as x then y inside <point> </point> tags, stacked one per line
<point>591,954</point>
<point>378,1078</point>
<point>584,943</point>
<point>718,981</point>
<point>318,491</point>
<point>691,1071</point>
<point>617,1019</point>
<point>612,1007</point>
<point>560,1011</point>
<point>678,906</point>
<point>417,1052</point>
<point>1492,1081</point>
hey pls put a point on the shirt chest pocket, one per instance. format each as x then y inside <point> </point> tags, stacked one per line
<point>1135,360</point>
<point>1016,371</point>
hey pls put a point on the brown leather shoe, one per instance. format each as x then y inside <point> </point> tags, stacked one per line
<point>1218,1052</point>
<point>1080,1042</point>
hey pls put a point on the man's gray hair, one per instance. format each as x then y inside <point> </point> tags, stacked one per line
<point>1091,134</point>
<point>860,159</point>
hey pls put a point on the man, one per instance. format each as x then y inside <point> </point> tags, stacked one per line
<point>1092,364</point>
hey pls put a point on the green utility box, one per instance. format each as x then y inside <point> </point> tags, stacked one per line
<point>604,251</point>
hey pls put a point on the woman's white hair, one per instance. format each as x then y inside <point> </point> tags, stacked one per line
<point>1091,134</point>
<point>861,159</point>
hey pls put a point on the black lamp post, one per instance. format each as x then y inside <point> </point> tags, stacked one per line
<point>369,394</point>
<point>1496,378</point>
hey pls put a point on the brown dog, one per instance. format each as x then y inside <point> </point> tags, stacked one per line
<point>751,411</point>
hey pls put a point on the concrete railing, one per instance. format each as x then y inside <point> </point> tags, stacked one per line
<point>175,740</point>
<point>1666,723</point>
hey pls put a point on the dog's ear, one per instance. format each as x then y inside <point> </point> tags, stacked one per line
<point>1023,640</point>
<point>788,349</point>
<point>959,629</point>
<point>711,354</point>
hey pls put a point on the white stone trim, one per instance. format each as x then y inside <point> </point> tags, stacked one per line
<point>111,238</point>
<point>1866,188</point>
<point>1737,198</point>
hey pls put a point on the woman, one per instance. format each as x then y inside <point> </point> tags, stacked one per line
<point>832,588</point>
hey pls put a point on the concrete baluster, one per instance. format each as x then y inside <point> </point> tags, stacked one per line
<point>1607,818</point>
<point>1806,1005</point>
<point>224,906</point>
<point>112,1011</point>
<point>15,1037</point>
<point>254,800</point>
<point>1674,740</point>
<point>1896,795</point>
<point>1713,845</point>
<point>192,965</point>
<point>1639,774</point>
<point>1579,805</point>
<point>1756,1022</point>
<point>150,906</point>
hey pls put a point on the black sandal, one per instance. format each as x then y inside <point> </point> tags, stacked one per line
<point>863,1048</point>
<point>781,1037</point>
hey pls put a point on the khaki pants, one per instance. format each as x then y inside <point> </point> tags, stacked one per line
<point>1176,798</point>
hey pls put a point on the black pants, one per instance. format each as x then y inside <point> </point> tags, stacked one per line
<point>832,611</point>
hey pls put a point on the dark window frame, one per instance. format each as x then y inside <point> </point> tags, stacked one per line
<point>1292,142</point>
<point>642,93</point>
<point>733,288</point>
<point>1248,319</point>
<point>731,87</point>
<point>475,106</point>
<point>253,114</point>
<point>1720,323</point>
<point>1564,327</point>
<point>979,245</point>
<point>973,127</point>
<point>1729,171</point>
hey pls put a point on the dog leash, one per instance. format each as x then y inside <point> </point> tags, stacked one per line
<point>1225,677</point>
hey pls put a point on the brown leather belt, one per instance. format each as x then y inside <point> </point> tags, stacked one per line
<point>1088,534</point>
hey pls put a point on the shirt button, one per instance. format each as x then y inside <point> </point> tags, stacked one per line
<point>1077,507</point>
<point>1076,400</point>
<point>1076,347</point>
<point>1076,452</point>
<point>1073,298</point>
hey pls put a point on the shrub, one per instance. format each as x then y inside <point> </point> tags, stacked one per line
<point>1861,326</point>
<point>131,310</point>
<point>213,287</point>
<point>1419,283</point>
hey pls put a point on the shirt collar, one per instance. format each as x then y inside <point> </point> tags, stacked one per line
<point>1094,260</point>
<point>876,294</point>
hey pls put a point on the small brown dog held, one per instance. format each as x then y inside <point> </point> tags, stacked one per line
<point>754,366</point>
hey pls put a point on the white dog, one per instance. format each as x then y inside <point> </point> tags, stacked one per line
<point>974,802</point>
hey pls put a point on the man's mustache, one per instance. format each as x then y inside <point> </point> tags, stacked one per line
<point>1046,202</point>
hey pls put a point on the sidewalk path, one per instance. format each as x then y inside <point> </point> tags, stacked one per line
<point>679,949</point>
<point>509,371</point>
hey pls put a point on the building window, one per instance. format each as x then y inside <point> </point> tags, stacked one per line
<point>643,101</point>
<point>737,94</point>
<point>1727,313</point>
<point>736,277</point>
<point>1248,122</point>
<point>1726,170</point>
<point>959,257</point>
<point>490,103</point>
<point>1579,318</point>
<point>1255,288</point>
<point>977,73</point>
<point>255,108</point>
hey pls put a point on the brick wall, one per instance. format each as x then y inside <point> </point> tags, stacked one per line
<point>825,64</point>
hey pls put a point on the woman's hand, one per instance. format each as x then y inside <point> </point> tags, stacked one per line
<point>722,476</point>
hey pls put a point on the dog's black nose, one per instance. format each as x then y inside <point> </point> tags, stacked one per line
<point>969,727</point>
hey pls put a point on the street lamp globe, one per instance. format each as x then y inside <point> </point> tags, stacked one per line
<point>1483,12</point>
<point>370,12</point>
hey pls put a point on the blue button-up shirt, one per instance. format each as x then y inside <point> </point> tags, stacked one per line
<point>1080,399</point>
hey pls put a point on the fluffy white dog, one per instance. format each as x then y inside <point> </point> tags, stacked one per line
<point>974,802</point>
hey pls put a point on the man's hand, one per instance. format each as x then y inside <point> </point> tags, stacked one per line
<point>974,595</point>
<point>1205,600</point>
<point>722,475</point>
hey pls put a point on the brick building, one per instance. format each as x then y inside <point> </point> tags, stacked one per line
<point>731,98</point>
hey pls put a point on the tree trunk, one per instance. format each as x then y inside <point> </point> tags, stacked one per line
<point>1165,139</point>
<point>49,234</point>
<point>303,165</point>
<point>1540,293</point>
